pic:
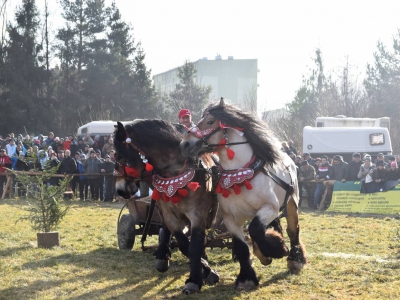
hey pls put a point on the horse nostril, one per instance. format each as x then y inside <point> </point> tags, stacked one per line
<point>185,145</point>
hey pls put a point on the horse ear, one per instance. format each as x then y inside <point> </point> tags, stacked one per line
<point>222,102</point>
<point>120,133</point>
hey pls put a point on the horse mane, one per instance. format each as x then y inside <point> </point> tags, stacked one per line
<point>257,132</point>
<point>154,132</point>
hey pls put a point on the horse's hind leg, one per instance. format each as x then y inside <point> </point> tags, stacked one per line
<point>267,237</point>
<point>163,252</point>
<point>297,255</point>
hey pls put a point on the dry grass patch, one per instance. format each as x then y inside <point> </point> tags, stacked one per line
<point>350,256</point>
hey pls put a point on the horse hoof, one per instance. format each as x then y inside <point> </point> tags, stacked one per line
<point>294,266</point>
<point>265,261</point>
<point>190,288</point>
<point>246,286</point>
<point>212,278</point>
<point>162,265</point>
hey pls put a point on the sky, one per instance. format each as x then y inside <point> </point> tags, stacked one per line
<point>281,35</point>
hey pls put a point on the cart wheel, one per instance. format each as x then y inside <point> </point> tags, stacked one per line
<point>126,232</point>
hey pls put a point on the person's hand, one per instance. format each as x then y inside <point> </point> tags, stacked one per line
<point>102,170</point>
<point>343,180</point>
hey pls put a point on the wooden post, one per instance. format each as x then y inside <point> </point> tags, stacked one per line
<point>8,188</point>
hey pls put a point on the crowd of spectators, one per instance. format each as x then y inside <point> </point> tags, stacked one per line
<point>318,174</point>
<point>94,158</point>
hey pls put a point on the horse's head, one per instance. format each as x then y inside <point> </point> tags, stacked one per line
<point>129,166</point>
<point>206,136</point>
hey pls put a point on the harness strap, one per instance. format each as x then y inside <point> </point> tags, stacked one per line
<point>287,187</point>
<point>147,225</point>
<point>227,144</point>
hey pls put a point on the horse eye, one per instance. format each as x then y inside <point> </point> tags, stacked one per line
<point>210,122</point>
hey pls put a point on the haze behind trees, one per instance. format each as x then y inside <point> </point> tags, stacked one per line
<point>100,73</point>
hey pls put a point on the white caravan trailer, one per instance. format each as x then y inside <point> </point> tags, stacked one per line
<point>101,128</point>
<point>346,140</point>
<point>343,121</point>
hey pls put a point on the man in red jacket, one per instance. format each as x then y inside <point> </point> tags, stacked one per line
<point>5,162</point>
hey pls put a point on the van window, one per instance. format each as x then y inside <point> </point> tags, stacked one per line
<point>320,124</point>
<point>84,130</point>
<point>376,139</point>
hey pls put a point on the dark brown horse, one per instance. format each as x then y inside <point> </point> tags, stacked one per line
<point>257,181</point>
<point>149,150</point>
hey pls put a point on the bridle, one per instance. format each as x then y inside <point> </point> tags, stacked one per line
<point>207,133</point>
<point>127,171</point>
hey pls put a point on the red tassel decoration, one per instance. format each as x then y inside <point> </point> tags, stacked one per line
<point>132,172</point>
<point>226,193</point>
<point>231,153</point>
<point>219,189</point>
<point>183,193</point>
<point>166,199</point>
<point>156,195</point>
<point>193,185</point>
<point>149,167</point>
<point>222,143</point>
<point>248,184</point>
<point>237,189</point>
<point>175,198</point>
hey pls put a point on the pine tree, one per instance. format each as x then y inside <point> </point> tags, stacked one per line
<point>23,75</point>
<point>187,93</point>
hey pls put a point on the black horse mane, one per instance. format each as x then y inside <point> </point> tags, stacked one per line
<point>257,132</point>
<point>154,132</point>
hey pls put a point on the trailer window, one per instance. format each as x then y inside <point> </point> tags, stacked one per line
<point>376,139</point>
<point>84,130</point>
<point>320,124</point>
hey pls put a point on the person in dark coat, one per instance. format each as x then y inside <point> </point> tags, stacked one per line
<point>354,168</point>
<point>379,176</point>
<point>108,168</point>
<point>392,176</point>
<point>83,183</point>
<point>92,165</point>
<point>21,165</point>
<point>323,173</point>
<point>53,162</point>
<point>306,173</point>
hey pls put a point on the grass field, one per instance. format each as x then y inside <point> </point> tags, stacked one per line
<point>350,257</point>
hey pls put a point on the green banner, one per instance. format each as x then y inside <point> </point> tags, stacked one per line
<point>347,198</point>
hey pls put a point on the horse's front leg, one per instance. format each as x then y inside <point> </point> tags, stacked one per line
<point>247,278</point>
<point>297,255</point>
<point>266,235</point>
<point>163,252</point>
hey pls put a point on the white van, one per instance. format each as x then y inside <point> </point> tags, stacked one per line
<point>346,140</point>
<point>101,128</point>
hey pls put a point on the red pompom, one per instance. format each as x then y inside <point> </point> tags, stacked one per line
<point>219,189</point>
<point>222,143</point>
<point>248,185</point>
<point>149,167</point>
<point>175,199</point>
<point>132,172</point>
<point>183,193</point>
<point>231,153</point>
<point>237,189</point>
<point>166,199</point>
<point>226,193</point>
<point>156,195</point>
<point>193,185</point>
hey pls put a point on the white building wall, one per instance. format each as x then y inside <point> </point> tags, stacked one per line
<point>231,79</point>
